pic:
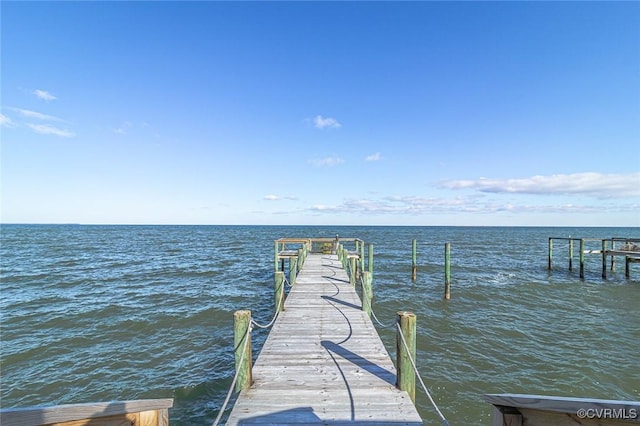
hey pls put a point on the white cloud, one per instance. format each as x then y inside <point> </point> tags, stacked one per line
<point>323,123</point>
<point>124,128</point>
<point>373,157</point>
<point>6,121</point>
<point>44,95</point>
<point>50,130</point>
<point>327,161</point>
<point>273,197</point>
<point>416,206</point>
<point>36,115</point>
<point>598,185</point>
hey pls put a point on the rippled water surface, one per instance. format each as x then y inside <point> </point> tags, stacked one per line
<point>100,313</point>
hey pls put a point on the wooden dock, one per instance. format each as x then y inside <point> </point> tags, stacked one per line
<point>323,361</point>
<point>628,248</point>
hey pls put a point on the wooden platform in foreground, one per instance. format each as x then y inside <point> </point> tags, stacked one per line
<point>323,361</point>
<point>539,410</point>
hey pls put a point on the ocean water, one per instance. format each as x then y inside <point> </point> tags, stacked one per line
<point>102,313</point>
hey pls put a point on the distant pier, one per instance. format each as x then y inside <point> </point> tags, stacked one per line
<point>629,248</point>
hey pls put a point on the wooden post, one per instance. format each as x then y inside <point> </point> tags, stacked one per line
<point>447,271</point>
<point>345,257</point>
<point>300,260</point>
<point>414,266</point>
<point>242,350</point>
<point>570,253</point>
<point>550,252</point>
<point>406,377</point>
<point>293,270</point>
<point>604,259</point>
<point>279,290</point>
<point>370,263</point>
<point>613,258</point>
<point>627,272</point>
<point>275,249</point>
<point>352,270</point>
<point>582,258</point>
<point>367,293</point>
<point>362,256</point>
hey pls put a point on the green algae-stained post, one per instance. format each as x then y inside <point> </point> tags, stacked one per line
<point>570,253</point>
<point>447,271</point>
<point>582,258</point>
<point>414,256</point>
<point>352,270</point>
<point>279,291</point>
<point>367,293</point>
<point>292,270</point>
<point>406,376</point>
<point>370,264</point>
<point>362,256</point>
<point>275,250</point>
<point>604,259</point>
<point>242,350</point>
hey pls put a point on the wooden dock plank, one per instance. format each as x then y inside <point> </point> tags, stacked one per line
<point>323,361</point>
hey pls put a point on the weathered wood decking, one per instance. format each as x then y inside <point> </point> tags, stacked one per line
<point>323,361</point>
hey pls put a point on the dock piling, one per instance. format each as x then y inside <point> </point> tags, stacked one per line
<point>352,270</point>
<point>367,293</point>
<point>570,253</point>
<point>582,258</point>
<point>414,255</point>
<point>447,271</point>
<point>242,345</point>
<point>370,263</point>
<point>604,259</point>
<point>406,376</point>
<point>279,291</point>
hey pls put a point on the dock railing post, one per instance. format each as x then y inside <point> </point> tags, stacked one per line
<point>367,293</point>
<point>292,270</point>
<point>275,249</point>
<point>604,259</point>
<point>370,263</point>
<point>406,376</point>
<point>279,291</point>
<point>550,253</point>
<point>447,271</point>
<point>627,270</point>
<point>570,253</point>
<point>242,348</point>
<point>414,255</point>
<point>613,258</point>
<point>362,256</point>
<point>582,258</point>
<point>352,270</point>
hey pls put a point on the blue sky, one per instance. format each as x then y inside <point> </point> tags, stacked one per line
<point>364,113</point>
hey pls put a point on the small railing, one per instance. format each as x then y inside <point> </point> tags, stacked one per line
<point>147,412</point>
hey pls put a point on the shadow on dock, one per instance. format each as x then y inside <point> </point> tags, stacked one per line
<point>365,364</point>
